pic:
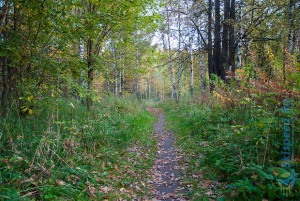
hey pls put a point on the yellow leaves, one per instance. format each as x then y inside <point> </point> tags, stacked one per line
<point>270,53</point>
<point>247,99</point>
<point>240,73</point>
<point>29,98</point>
<point>27,106</point>
<point>26,109</point>
<point>221,97</point>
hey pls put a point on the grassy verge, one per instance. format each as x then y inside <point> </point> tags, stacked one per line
<point>232,153</point>
<point>63,152</point>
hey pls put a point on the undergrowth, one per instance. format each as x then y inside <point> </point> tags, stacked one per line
<point>233,152</point>
<point>63,152</point>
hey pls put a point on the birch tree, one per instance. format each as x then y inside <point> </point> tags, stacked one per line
<point>190,35</point>
<point>170,56</point>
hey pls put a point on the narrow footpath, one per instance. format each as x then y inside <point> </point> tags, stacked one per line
<point>166,169</point>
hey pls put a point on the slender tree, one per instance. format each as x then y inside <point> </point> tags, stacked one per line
<point>240,35</point>
<point>291,22</point>
<point>137,73</point>
<point>190,50</point>
<point>231,58</point>
<point>211,69</point>
<point>115,70</point>
<point>218,66</point>
<point>201,67</point>
<point>179,68</point>
<point>170,56</point>
<point>225,39</point>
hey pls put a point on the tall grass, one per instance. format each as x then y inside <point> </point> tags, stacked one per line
<point>62,151</point>
<point>232,152</point>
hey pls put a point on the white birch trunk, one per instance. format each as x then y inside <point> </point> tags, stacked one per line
<point>107,81</point>
<point>179,49</point>
<point>149,87</point>
<point>120,82</point>
<point>115,72</point>
<point>179,83</point>
<point>170,58</point>
<point>201,67</point>
<point>191,53</point>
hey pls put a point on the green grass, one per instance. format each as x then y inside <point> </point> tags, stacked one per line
<point>64,152</point>
<point>236,149</point>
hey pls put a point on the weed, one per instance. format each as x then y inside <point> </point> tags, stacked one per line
<point>223,145</point>
<point>61,151</point>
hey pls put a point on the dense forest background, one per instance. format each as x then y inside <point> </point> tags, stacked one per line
<point>77,75</point>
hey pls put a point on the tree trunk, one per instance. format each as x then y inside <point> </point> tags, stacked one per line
<point>137,73</point>
<point>4,64</point>
<point>291,22</point>
<point>231,59</point>
<point>179,72</point>
<point>115,72</point>
<point>201,71</point>
<point>121,81</point>
<point>3,14</point>
<point>239,48</point>
<point>170,58</point>
<point>191,55</point>
<point>149,87</point>
<point>218,66</point>
<point>202,84</point>
<point>89,100</point>
<point>179,52</point>
<point>5,88</point>
<point>225,40</point>
<point>192,72</point>
<point>298,30</point>
<point>107,81</point>
<point>201,67</point>
<point>83,75</point>
<point>209,42</point>
<point>80,49</point>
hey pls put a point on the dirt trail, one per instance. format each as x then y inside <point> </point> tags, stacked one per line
<point>166,170</point>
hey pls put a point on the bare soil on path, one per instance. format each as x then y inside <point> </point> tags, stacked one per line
<point>166,169</point>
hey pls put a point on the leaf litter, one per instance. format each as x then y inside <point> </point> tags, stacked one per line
<point>165,182</point>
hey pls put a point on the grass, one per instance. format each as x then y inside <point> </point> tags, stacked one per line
<point>64,152</point>
<point>231,152</point>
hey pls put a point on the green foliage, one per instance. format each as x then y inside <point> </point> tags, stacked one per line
<point>239,148</point>
<point>62,151</point>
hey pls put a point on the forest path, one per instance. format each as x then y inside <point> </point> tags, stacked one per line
<point>166,169</point>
